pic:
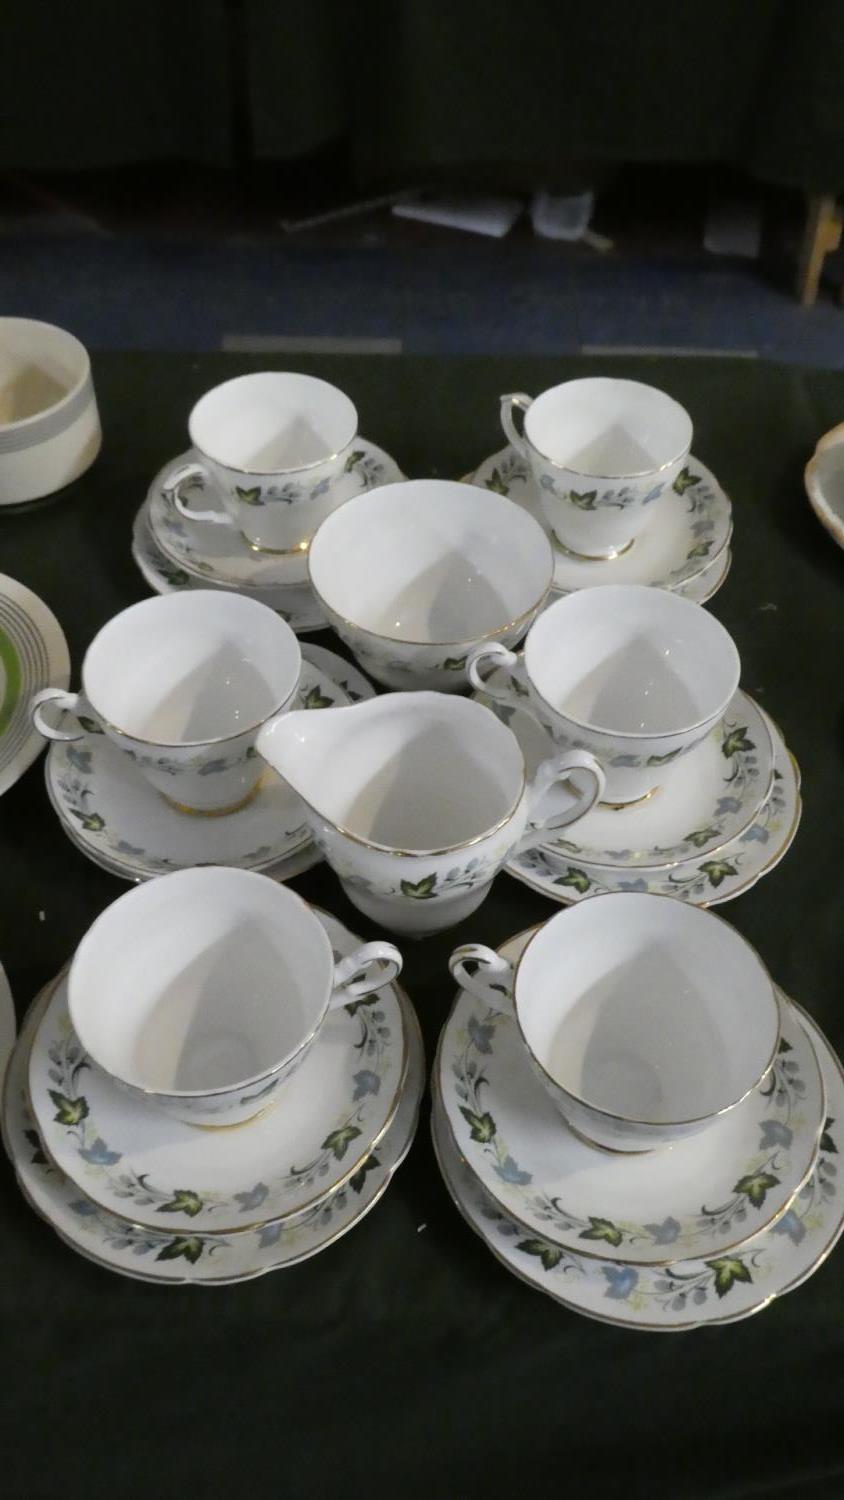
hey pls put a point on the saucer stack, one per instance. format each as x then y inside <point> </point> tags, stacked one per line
<point>173,552</point>
<point>724,818</point>
<point>685,547</point>
<point>160,1200</point>
<point>707,1230</point>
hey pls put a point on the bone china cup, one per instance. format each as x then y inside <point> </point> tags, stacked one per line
<point>277,448</point>
<point>181,684</point>
<point>412,575</point>
<point>643,1017</point>
<point>636,675</point>
<point>601,451</point>
<point>49,423</point>
<point>204,990</point>
<point>417,799</point>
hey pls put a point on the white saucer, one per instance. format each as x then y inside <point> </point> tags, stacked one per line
<point>219,554</point>
<point>33,655</point>
<point>687,1294</point>
<point>186,1256</point>
<point>109,811</point>
<point>141,1165</point>
<point>710,797</point>
<point>700,1197</point>
<point>8,1023</point>
<point>687,535</point>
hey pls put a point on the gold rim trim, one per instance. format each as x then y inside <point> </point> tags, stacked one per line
<point>220,739</point>
<point>299,550</point>
<point>594,557</point>
<point>214,812</point>
<point>634,802</point>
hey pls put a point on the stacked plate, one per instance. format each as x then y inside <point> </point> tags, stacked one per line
<point>33,656</point>
<point>708,1230</point>
<point>685,547</point>
<point>725,817</point>
<point>173,552</point>
<point>160,1200</point>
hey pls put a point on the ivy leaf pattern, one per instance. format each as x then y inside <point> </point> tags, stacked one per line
<point>366,1082</point>
<point>353,460</point>
<point>338,1141</point>
<point>480,1034</point>
<point>827,1144</point>
<point>510,1171</point>
<point>585,500</point>
<point>250,496</point>
<point>548,1255</point>
<point>664,760</point>
<point>419,890</point>
<point>664,1233</point>
<point>685,480</point>
<point>252,1198</point>
<point>454,663</point>
<point>621,1281</point>
<point>700,549</point>
<point>717,870</point>
<point>700,836</point>
<point>99,1155</point>
<point>183,1201</point>
<point>482,1127</point>
<point>358,1178</point>
<point>79,759</point>
<point>602,1229</point>
<point>93,822</point>
<point>755,1186</point>
<point>316,699</point>
<point>728,1269</point>
<point>88,724</point>
<point>775,1133</point>
<point>69,1111</point>
<point>792,1225</point>
<point>184,1247</point>
<point>577,879</point>
<point>735,741</point>
<point>38,1159</point>
<point>496,483</point>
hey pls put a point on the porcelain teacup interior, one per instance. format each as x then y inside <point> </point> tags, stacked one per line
<point>636,675</point>
<point>417,799</point>
<point>181,685</point>
<point>204,990</point>
<point>601,451</point>
<point>644,1017</point>
<point>278,448</point>
<point>412,575</point>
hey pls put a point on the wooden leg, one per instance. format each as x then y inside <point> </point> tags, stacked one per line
<point>821,236</point>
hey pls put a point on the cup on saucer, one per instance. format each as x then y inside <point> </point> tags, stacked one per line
<point>204,990</point>
<point>635,675</point>
<point>412,576</point>
<point>601,451</point>
<point>182,684</point>
<point>644,1018</point>
<point>275,446</point>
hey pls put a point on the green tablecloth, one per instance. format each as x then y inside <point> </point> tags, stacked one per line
<point>405,1361</point>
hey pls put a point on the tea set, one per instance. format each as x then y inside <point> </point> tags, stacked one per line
<point>627,1110</point>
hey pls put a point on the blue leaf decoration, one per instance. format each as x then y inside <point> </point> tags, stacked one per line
<point>664,1233</point>
<point>253,1197</point>
<point>481,1034</point>
<point>99,1154</point>
<point>774,1133</point>
<point>621,1281</point>
<point>510,1171</point>
<point>366,1082</point>
<point>792,1225</point>
<point>83,1208</point>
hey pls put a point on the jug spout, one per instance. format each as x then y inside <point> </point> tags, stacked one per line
<point>302,747</point>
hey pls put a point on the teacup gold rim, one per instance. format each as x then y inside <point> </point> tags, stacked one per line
<point>24,424</point>
<point>293,468</point>
<point>39,1006</point>
<point>220,739</point>
<point>437,1095</point>
<point>606,1114</point>
<point>632,474</point>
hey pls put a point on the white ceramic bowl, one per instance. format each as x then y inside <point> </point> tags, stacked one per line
<point>412,575</point>
<point>644,1017</point>
<point>203,990</point>
<point>49,423</point>
<point>636,675</point>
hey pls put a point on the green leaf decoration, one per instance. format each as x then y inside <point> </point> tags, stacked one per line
<point>69,1111</point>
<point>358,1178</point>
<point>717,870</point>
<point>38,1158</point>
<point>549,1255</point>
<point>183,1247</point>
<point>339,1140</point>
<point>735,741</point>
<point>88,724</point>
<point>316,699</point>
<point>354,1005</point>
<point>700,836</point>
<point>92,821</point>
<point>728,1270</point>
<point>785,1046</point>
<point>664,760</point>
<point>578,879</point>
<point>755,1186</point>
<point>481,1127</point>
<point>700,549</point>
<point>353,460</point>
<point>684,481</point>
<point>585,500</point>
<point>183,1201</point>
<point>827,1143</point>
<point>249,497</point>
<point>602,1229</point>
<point>419,890</point>
<point>454,663</point>
<point>496,483</point>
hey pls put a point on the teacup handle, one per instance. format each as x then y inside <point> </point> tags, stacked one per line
<point>67,703</point>
<point>518,401</point>
<point>485,974</point>
<point>369,968</point>
<point>559,768</point>
<point>172,490</point>
<point>487,658</point>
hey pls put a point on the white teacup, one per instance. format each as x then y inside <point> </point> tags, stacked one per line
<point>49,423</point>
<point>637,676</point>
<point>413,575</point>
<point>644,1017</point>
<point>601,451</point>
<point>417,800</point>
<point>279,450</point>
<point>204,990</point>
<point>181,684</point>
